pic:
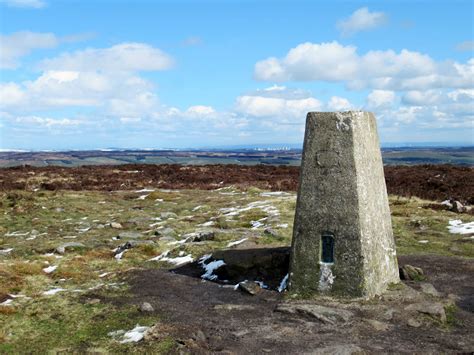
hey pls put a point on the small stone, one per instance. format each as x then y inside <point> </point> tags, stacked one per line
<point>249,287</point>
<point>412,322</point>
<point>409,272</point>
<point>200,336</point>
<point>435,310</point>
<point>93,301</point>
<point>379,326</point>
<point>165,232</point>
<point>59,209</point>
<point>116,225</point>
<point>271,232</point>
<point>146,307</point>
<point>130,235</point>
<point>429,289</point>
<point>166,215</point>
<point>388,314</point>
<point>167,239</point>
<point>69,246</point>
<point>457,207</point>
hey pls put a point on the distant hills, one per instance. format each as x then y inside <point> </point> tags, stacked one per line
<point>282,155</point>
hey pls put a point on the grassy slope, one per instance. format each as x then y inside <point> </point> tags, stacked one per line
<point>80,318</point>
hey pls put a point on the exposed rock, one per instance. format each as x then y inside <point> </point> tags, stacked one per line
<point>130,235</point>
<point>409,272</point>
<point>166,215</point>
<point>457,207</point>
<point>321,313</point>
<point>166,232</point>
<point>388,314</point>
<point>146,307</point>
<point>435,309</point>
<point>429,289</point>
<point>412,322</point>
<point>59,209</point>
<point>115,225</point>
<point>200,236</point>
<point>249,287</point>
<point>69,246</point>
<point>377,325</point>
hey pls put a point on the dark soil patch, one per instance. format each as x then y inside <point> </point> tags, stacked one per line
<point>432,182</point>
<point>231,321</point>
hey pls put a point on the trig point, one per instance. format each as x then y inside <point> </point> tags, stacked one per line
<point>342,237</point>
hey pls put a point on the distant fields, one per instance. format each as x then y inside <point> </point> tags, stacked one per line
<point>292,157</point>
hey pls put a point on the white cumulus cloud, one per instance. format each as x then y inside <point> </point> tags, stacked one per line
<point>361,20</point>
<point>383,70</point>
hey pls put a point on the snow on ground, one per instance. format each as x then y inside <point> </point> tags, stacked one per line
<point>180,260</point>
<point>50,269</point>
<point>256,224</point>
<point>145,190</point>
<point>142,197</point>
<point>210,267</point>
<point>457,227</point>
<point>134,335</point>
<point>283,284</point>
<point>232,244</point>
<point>274,193</point>
<point>16,234</point>
<point>206,224</point>
<point>119,255</point>
<point>53,291</point>
<point>6,251</point>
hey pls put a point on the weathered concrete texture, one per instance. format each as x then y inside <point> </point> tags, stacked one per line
<point>342,193</point>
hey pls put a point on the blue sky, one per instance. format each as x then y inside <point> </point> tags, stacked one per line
<point>153,74</point>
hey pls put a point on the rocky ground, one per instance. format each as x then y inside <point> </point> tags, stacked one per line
<point>141,269</point>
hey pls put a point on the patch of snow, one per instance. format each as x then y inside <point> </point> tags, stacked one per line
<point>161,256</point>
<point>274,193</point>
<point>256,224</point>
<point>197,208</point>
<point>104,274</point>
<point>176,261</point>
<point>145,190</point>
<point>181,260</point>
<point>119,255</point>
<point>134,335</point>
<point>50,269</point>
<point>458,227</point>
<point>423,241</point>
<point>142,197</point>
<point>17,234</point>
<point>5,251</point>
<point>210,267</point>
<point>284,225</point>
<point>207,224</point>
<point>231,244</point>
<point>446,203</point>
<point>283,284</point>
<point>70,237</point>
<point>326,278</point>
<point>33,237</point>
<point>7,302</point>
<point>83,230</point>
<point>53,291</point>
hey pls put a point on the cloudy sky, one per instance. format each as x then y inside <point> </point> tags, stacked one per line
<point>153,74</point>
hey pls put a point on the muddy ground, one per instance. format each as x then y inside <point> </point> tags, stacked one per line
<point>208,318</point>
<point>431,182</point>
